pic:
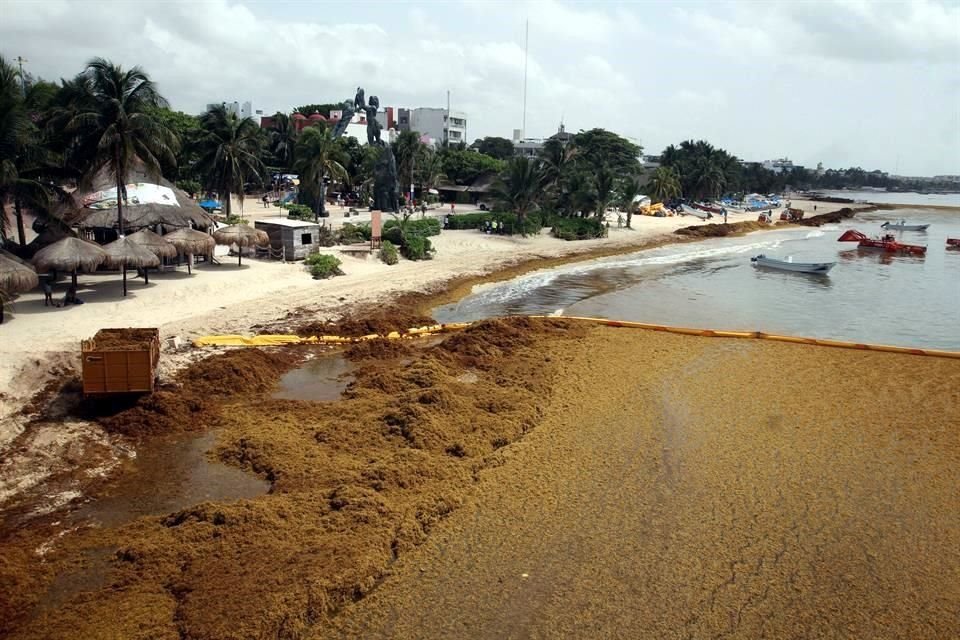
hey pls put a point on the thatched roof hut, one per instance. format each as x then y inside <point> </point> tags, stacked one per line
<point>150,201</point>
<point>242,235</point>
<point>191,241</point>
<point>124,253</point>
<point>154,243</point>
<point>15,275</point>
<point>70,255</point>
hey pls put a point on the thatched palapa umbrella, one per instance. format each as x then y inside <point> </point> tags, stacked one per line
<point>242,235</point>
<point>124,253</point>
<point>15,277</point>
<point>190,242</point>
<point>155,244</point>
<point>71,255</point>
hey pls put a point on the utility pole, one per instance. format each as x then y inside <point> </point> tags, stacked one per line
<point>23,82</point>
<point>446,129</point>
<point>526,51</point>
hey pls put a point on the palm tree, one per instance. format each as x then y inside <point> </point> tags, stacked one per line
<point>604,188</point>
<point>519,189</point>
<point>629,190</point>
<point>13,128</point>
<point>317,156</point>
<point>228,150</point>
<point>114,126</point>
<point>24,160</point>
<point>406,149</point>
<point>429,169</point>
<point>707,176</point>
<point>283,139</point>
<point>664,185</point>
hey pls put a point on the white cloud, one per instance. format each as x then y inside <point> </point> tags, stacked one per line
<point>740,73</point>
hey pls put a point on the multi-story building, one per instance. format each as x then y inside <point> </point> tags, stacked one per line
<point>244,110</point>
<point>779,165</point>
<point>435,123</point>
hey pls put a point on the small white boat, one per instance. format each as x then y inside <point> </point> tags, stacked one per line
<point>789,265</point>
<point>903,226</point>
<point>690,211</point>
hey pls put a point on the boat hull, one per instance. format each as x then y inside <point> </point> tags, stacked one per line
<point>904,227</point>
<point>818,268</point>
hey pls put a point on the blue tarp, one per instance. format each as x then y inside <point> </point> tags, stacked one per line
<point>210,204</point>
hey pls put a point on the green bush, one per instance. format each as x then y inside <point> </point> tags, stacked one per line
<point>388,253</point>
<point>323,265</point>
<point>354,233</point>
<point>234,219</point>
<point>394,235</point>
<point>300,212</point>
<point>578,228</point>
<point>417,248</point>
<point>531,225</point>
<point>420,227</point>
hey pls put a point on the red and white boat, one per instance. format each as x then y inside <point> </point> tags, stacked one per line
<point>953,243</point>
<point>885,243</point>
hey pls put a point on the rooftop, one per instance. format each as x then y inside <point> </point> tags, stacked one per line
<point>286,222</point>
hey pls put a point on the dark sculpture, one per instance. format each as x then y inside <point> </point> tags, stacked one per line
<point>385,188</point>
<point>373,127</point>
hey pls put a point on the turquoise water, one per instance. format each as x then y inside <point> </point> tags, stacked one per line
<point>868,296</point>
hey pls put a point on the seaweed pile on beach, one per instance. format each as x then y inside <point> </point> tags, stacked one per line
<point>355,484</point>
<point>722,230</point>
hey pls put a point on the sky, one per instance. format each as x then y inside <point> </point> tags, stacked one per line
<point>845,83</point>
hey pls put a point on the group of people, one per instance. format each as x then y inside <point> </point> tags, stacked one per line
<point>70,297</point>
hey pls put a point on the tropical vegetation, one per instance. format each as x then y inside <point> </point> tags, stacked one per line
<point>318,156</point>
<point>229,152</point>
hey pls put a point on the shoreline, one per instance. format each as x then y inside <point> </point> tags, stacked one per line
<point>417,394</point>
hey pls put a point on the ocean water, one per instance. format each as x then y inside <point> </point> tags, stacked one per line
<point>884,197</point>
<point>868,296</point>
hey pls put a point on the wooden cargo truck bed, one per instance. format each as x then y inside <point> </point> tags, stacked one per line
<point>120,361</point>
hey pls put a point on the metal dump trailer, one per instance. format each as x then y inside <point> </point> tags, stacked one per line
<point>120,361</point>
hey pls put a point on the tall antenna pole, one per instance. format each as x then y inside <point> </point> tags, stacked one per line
<point>526,50</point>
<point>23,80</point>
<point>446,131</point>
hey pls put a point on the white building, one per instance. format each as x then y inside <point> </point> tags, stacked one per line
<point>435,123</point>
<point>779,165</point>
<point>244,110</point>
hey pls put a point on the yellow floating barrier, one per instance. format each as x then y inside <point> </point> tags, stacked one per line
<point>270,340</point>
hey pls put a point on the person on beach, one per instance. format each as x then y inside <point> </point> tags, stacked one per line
<point>47,293</point>
<point>453,208</point>
<point>70,298</point>
<point>724,215</point>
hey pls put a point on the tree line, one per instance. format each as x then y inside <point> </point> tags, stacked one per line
<point>108,121</point>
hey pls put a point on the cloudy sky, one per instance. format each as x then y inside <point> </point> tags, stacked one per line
<point>848,83</point>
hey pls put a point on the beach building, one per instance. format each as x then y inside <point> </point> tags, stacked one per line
<point>296,238</point>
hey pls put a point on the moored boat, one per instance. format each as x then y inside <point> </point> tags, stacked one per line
<point>887,243</point>
<point>953,243</point>
<point>703,215</point>
<point>903,226</point>
<point>821,268</point>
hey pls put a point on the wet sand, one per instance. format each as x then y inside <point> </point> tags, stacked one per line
<point>682,488</point>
